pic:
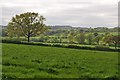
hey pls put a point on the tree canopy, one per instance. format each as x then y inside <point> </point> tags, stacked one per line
<point>27,24</point>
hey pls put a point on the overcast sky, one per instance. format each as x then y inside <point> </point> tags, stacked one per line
<point>91,13</point>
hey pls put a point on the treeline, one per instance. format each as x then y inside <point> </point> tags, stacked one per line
<point>85,36</point>
<point>57,30</point>
<point>77,37</point>
<point>94,38</point>
<point>89,38</point>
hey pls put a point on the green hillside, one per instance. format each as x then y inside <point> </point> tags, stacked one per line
<point>25,61</point>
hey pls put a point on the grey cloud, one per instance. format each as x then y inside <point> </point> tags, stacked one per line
<point>9,12</point>
<point>73,12</point>
<point>97,15</point>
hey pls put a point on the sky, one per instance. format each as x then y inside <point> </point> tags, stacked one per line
<point>77,13</point>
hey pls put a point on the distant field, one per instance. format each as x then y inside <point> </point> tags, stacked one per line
<point>25,61</point>
<point>112,33</point>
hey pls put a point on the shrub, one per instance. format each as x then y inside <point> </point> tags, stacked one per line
<point>105,48</point>
<point>101,48</point>
<point>35,39</point>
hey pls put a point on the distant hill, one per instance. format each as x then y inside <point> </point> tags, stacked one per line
<point>57,27</point>
<point>68,27</point>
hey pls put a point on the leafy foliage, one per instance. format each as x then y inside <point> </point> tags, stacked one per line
<point>80,38</point>
<point>26,24</point>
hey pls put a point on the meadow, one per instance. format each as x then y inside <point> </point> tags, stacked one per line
<point>28,61</point>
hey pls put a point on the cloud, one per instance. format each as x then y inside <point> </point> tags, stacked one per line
<point>66,12</point>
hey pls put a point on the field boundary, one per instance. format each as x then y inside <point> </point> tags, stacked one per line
<point>98,48</point>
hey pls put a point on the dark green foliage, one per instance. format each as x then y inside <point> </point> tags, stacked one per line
<point>96,34</point>
<point>101,48</point>
<point>104,48</point>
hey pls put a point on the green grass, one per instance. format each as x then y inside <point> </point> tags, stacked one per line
<point>112,33</point>
<point>25,61</point>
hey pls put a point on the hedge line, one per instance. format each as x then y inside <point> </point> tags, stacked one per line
<point>100,48</point>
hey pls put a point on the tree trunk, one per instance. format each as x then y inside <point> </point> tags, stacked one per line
<point>28,38</point>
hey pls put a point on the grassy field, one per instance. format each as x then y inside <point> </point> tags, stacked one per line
<point>25,61</point>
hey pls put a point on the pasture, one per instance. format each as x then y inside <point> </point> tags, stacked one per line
<point>27,61</point>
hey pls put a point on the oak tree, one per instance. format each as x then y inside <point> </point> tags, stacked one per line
<point>27,24</point>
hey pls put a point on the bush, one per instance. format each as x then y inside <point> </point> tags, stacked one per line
<point>100,48</point>
<point>40,39</point>
<point>35,39</point>
<point>79,47</point>
<point>105,48</point>
<point>11,41</point>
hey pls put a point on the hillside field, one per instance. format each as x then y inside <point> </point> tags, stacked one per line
<point>27,61</point>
